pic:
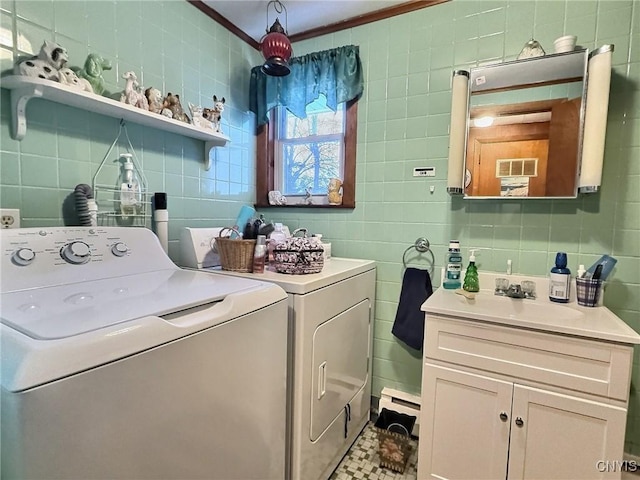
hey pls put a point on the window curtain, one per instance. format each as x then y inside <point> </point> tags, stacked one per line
<point>335,73</point>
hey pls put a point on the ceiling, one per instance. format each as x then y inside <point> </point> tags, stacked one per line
<point>250,16</point>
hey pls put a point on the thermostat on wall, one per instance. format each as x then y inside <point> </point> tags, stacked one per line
<point>424,172</point>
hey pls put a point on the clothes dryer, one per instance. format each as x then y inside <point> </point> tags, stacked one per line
<point>331,325</point>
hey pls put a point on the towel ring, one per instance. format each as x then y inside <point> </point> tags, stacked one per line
<point>421,245</point>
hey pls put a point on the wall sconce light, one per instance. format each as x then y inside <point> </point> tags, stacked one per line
<point>275,45</point>
<point>595,120</point>
<point>457,131</point>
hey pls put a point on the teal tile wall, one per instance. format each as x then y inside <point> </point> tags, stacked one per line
<point>171,46</point>
<point>403,123</point>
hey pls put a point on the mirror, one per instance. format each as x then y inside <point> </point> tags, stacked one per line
<point>524,127</point>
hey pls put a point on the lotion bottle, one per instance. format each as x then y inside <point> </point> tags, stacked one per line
<point>260,254</point>
<point>276,236</point>
<point>129,186</point>
<point>471,282</point>
<point>560,280</point>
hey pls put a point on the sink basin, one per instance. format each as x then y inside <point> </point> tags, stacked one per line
<point>515,309</point>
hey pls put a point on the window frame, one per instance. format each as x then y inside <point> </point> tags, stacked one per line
<point>266,157</point>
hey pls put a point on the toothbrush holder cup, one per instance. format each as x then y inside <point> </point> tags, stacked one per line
<point>588,291</point>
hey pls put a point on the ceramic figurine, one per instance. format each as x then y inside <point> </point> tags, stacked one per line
<point>276,198</point>
<point>172,102</point>
<point>51,58</point>
<point>154,98</point>
<point>308,198</point>
<point>132,94</point>
<point>214,115</point>
<point>68,77</point>
<point>94,65</point>
<point>334,196</point>
<point>197,117</point>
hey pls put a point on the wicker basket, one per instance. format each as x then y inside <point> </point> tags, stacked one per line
<point>236,255</point>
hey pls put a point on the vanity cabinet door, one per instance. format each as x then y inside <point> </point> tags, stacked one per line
<point>555,436</point>
<point>464,425</point>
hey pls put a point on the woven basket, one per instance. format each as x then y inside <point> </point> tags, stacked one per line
<point>236,255</point>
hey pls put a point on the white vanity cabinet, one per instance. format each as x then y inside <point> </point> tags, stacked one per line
<point>503,401</point>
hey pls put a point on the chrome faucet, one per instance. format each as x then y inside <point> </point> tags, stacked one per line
<point>515,291</point>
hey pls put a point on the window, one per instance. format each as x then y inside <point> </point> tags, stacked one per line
<point>309,151</point>
<point>295,154</point>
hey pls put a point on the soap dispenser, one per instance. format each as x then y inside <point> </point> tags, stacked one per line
<point>129,187</point>
<point>471,282</point>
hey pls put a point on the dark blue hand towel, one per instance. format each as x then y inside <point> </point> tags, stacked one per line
<point>409,323</point>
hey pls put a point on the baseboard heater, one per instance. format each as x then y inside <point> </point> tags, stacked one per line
<point>401,402</point>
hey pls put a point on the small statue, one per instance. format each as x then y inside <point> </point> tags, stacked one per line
<point>94,65</point>
<point>51,58</point>
<point>214,115</point>
<point>132,94</point>
<point>308,198</point>
<point>334,196</point>
<point>276,198</point>
<point>172,102</point>
<point>69,77</point>
<point>154,98</point>
<point>197,117</point>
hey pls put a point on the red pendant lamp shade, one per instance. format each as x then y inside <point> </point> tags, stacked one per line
<point>276,47</point>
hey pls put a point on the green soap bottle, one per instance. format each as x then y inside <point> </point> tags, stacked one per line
<point>471,282</point>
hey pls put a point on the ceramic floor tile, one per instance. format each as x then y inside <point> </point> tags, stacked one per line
<point>363,462</point>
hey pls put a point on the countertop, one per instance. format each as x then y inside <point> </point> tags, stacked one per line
<point>541,314</point>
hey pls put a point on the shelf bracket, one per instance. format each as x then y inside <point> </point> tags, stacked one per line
<point>19,99</point>
<point>208,149</point>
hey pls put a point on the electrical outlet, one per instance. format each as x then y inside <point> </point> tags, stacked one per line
<point>10,218</point>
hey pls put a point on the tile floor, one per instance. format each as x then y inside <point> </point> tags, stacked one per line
<point>362,460</point>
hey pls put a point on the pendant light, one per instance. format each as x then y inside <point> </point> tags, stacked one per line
<point>275,45</point>
<point>457,131</point>
<point>595,119</point>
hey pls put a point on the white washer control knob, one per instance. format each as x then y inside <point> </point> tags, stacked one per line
<point>23,256</point>
<point>76,253</point>
<point>119,249</point>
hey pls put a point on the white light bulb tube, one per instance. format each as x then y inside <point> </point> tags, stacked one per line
<point>457,131</point>
<point>595,120</point>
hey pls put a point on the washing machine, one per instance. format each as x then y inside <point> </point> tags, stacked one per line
<point>117,364</point>
<point>331,325</point>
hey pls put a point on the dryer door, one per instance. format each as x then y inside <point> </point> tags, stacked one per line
<point>340,364</point>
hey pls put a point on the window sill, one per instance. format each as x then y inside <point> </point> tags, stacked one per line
<point>268,205</point>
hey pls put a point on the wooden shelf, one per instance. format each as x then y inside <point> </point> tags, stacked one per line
<point>24,89</point>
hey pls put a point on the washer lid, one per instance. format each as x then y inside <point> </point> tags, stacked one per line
<point>68,310</point>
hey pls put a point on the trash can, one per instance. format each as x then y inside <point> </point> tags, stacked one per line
<point>394,432</point>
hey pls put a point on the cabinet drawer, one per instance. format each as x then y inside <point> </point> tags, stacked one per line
<point>599,368</point>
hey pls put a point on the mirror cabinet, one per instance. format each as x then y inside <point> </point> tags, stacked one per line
<point>518,129</point>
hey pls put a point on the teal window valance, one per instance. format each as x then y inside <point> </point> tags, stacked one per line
<point>335,73</point>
